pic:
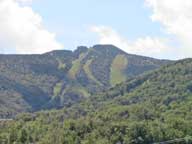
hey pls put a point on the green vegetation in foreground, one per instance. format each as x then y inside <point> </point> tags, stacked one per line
<point>117,69</point>
<point>89,73</point>
<point>153,107</point>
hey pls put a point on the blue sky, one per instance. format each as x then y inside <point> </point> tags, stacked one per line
<point>154,28</point>
<point>71,19</point>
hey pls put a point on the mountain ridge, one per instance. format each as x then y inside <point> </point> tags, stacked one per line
<point>65,77</point>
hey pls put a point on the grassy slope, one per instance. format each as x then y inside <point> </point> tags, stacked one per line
<point>76,66</point>
<point>57,89</point>
<point>117,69</point>
<point>87,70</point>
<point>61,65</point>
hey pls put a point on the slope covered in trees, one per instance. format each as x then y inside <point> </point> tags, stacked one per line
<point>153,107</point>
<point>61,78</point>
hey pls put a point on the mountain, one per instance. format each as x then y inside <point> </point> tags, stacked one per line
<point>61,78</point>
<point>151,108</point>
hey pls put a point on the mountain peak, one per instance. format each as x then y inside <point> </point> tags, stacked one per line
<point>101,48</point>
<point>80,50</point>
<point>59,52</point>
<point>108,48</point>
<point>105,46</point>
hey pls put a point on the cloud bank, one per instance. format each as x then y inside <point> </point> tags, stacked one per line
<point>22,29</point>
<point>24,1</point>
<point>142,46</point>
<point>175,17</point>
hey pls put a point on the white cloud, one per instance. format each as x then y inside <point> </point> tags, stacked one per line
<point>176,18</point>
<point>22,29</point>
<point>143,46</point>
<point>25,1</point>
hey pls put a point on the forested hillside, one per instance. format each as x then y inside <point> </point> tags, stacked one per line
<point>153,107</point>
<point>60,78</point>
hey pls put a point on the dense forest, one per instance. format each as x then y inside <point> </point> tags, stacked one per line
<point>151,108</point>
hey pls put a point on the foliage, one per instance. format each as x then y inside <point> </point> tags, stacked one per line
<point>153,107</point>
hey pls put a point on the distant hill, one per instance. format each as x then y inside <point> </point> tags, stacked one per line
<point>152,107</point>
<point>61,78</point>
